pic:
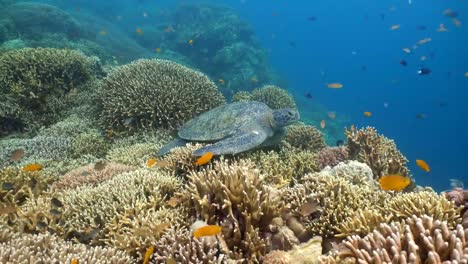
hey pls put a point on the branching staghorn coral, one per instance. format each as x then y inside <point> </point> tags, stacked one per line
<point>304,137</point>
<point>48,248</point>
<point>155,94</point>
<point>420,240</point>
<point>377,151</point>
<point>235,196</point>
<point>87,209</point>
<point>179,245</point>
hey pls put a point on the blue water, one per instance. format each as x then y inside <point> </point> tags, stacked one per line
<point>344,38</point>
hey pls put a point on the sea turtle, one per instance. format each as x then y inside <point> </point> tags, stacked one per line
<point>234,128</point>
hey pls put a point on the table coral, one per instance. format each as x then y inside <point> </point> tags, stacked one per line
<point>420,240</point>
<point>155,94</point>
<point>377,151</point>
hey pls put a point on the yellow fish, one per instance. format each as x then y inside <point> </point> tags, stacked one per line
<point>394,182</point>
<point>103,33</point>
<point>322,124</point>
<point>335,85</point>
<point>190,41</point>
<point>158,50</point>
<point>407,50</point>
<point>74,261</point>
<point>368,114</point>
<point>254,79</point>
<point>209,230</point>
<point>205,158</point>
<point>395,27</point>
<point>331,115</point>
<point>150,163</point>
<point>139,31</point>
<point>221,81</point>
<point>423,165</point>
<point>32,167</point>
<point>148,254</point>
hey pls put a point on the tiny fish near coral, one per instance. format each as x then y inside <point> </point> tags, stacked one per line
<point>423,165</point>
<point>205,158</point>
<point>209,230</point>
<point>148,254</point>
<point>32,167</point>
<point>394,182</point>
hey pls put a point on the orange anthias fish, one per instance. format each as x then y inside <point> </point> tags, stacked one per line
<point>151,162</point>
<point>205,158</point>
<point>394,182</point>
<point>74,261</point>
<point>103,33</point>
<point>148,254</point>
<point>322,124</point>
<point>423,165</point>
<point>209,230</point>
<point>395,27</point>
<point>158,50</point>
<point>190,41</point>
<point>32,167</point>
<point>335,85</point>
<point>139,31</point>
<point>368,114</point>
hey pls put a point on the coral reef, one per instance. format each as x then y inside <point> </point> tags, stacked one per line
<point>47,248</point>
<point>155,94</point>
<point>234,196</point>
<point>377,151</point>
<point>304,137</point>
<point>331,156</point>
<point>420,240</point>
<point>36,84</point>
<point>273,96</point>
<point>306,253</point>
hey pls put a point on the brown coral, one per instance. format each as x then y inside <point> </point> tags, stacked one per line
<point>89,175</point>
<point>155,94</point>
<point>331,156</point>
<point>304,137</point>
<point>273,96</point>
<point>421,240</point>
<point>235,196</point>
<point>377,151</point>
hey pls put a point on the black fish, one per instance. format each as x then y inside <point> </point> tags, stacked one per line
<point>55,212</point>
<point>56,202</point>
<point>339,143</point>
<point>443,104</point>
<point>8,186</point>
<point>363,68</point>
<point>403,62</point>
<point>309,96</point>
<point>292,44</point>
<point>420,116</point>
<point>424,71</point>
<point>312,18</point>
<point>450,13</point>
<point>382,16</point>
<point>421,27</point>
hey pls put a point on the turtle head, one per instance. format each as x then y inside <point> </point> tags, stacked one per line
<point>285,116</point>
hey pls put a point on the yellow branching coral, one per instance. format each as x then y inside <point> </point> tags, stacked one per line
<point>421,240</point>
<point>235,196</point>
<point>155,94</point>
<point>338,199</point>
<point>377,151</point>
<point>423,203</point>
<point>362,222</point>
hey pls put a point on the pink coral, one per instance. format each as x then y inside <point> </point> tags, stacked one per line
<point>331,156</point>
<point>459,196</point>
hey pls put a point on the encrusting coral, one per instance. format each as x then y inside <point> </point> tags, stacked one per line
<point>235,197</point>
<point>155,94</point>
<point>33,83</point>
<point>420,240</point>
<point>377,151</point>
<point>273,96</point>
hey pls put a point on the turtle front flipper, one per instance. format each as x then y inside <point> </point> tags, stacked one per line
<point>237,143</point>
<point>178,142</point>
